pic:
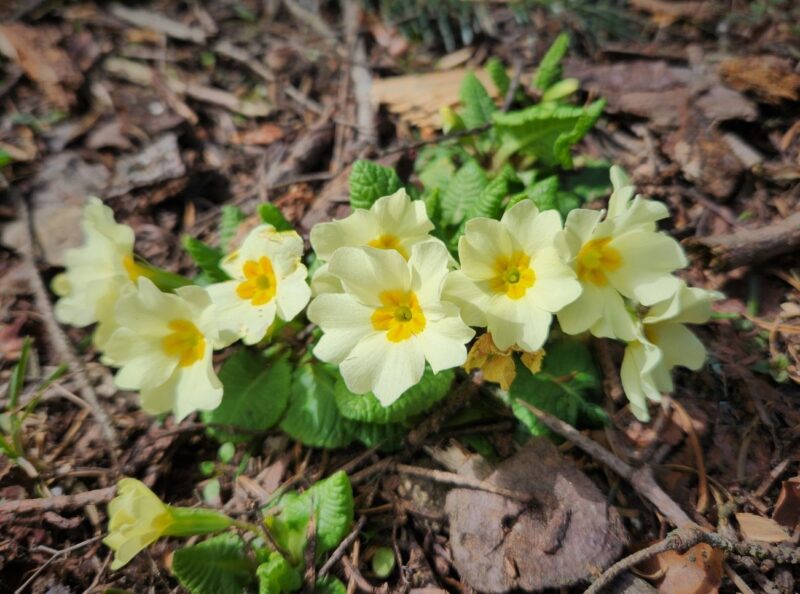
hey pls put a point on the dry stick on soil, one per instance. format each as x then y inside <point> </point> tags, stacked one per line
<point>640,478</point>
<point>58,338</point>
<point>55,556</point>
<point>58,502</point>
<point>458,480</point>
<point>682,540</point>
<point>342,548</point>
<point>748,246</point>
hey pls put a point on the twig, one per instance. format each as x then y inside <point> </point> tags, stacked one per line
<point>641,479</point>
<point>309,556</point>
<point>56,555</point>
<point>694,441</point>
<point>439,139</point>
<point>434,422</point>
<point>57,336</point>
<point>748,246</point>
<point>58,502</point>
<point>353,573</point>
<point>682,540</point>
<point>513,87</point>
<point>342,548</point>
<point>466,482</point>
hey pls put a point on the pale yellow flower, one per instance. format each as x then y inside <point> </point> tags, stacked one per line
<point>97,272</point>
<point>393,222</point>
<point>137,518</point>
<point>661,342</point>
<point>616,257</point>
<point>512,279</point>
<point>268,279</point>
<point>390,319</point>
<point>163,345</point>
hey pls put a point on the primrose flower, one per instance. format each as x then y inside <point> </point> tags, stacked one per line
<point>621,256</point>
<point>163,345</point>
<point>138,518</point>
<point>268,279</point>
<point>512,279</point>
<point>498,366</point>
<point>97,272</point>
<point>389,319</point>
<point>394,222</point>
<point>662,341</point>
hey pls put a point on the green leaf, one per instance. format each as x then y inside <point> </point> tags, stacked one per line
<point>313,417</point>
<point>276,576</point>
<point>369,181</point>
<point>544,193</point>
<point>437,173</point>
<point>255,395</point>
<point>490,201</point>
<point>219,565</point>
<point>497,71</point>
<point>329,585</point>
<point>478,106</point>
<point>272,215</point>
<point>546,131</point>
<point>329,501</point>
<point>17,380</point>
<point>590,182</point>
<point>549,71</point>
<point>463,192</point>
<point>561,89</point>
<point>388,435</point>
<point>419,398</point>
<point>563,386</point>
<point>5,158</point>
<point>206,257</point>
<point>383,562</point>
<point>229,221</point>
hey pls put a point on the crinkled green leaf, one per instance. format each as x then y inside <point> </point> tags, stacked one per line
<point>476,102</point>
<point>590,181</point>
<point>276,576</point>
<point>545,131</point>
<point>549,71</point>
<point>229,221</point>
<point>219,565</point>
<point>563,387</point>
<point>330,501</point>
<point>369,181</point>
<point>388,435</point>
<point>419,398</point>
<point>463,192</point>
<point>312,416</point>
<point>206,257</point>
<point>497,71</point>
<point>437,172</point>
<point>490,202</point>
<point>272,215</point>
<point>255,395</point>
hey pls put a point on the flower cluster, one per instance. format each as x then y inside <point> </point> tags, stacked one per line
<point>391,300</point>
<point>163,341</point>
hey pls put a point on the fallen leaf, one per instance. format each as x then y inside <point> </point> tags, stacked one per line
<point>35,49</point>
<point>771,78</point>
<point>158,162</point>
<point>417,98</point>
<point>563,537</point>
<point>666,13</point>
<point>755,527</point>
<point>263,135</point>
<point>787,507</point>
<point>697,571</point>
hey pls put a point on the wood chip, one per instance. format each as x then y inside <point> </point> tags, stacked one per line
<point>755,527</point>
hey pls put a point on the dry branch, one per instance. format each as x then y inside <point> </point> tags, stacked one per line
<point>58,502</point>
<point>749,246</point>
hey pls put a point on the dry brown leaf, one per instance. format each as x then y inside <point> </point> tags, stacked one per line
<point>697,571</point>
<point>35,49</point>
<point>755,527</point>
<point>263,135</point>
<point>771,78</point>
<point>417,98</point>
<point>787,508</point>
<point>666,13</point>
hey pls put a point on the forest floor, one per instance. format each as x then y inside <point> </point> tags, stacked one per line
<point>168,111</point>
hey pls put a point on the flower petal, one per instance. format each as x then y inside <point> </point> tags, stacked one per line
<point>358,229</point>
<point>484,240</point>
<point>365,272</point>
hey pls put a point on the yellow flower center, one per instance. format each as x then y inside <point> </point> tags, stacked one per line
<point>387,241</point>
<point>260,284</point>
<point>595,259</point>
<point>400,316</point>
<point>133,269</point>
<point>514,275</point>
<point>185,342</point>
